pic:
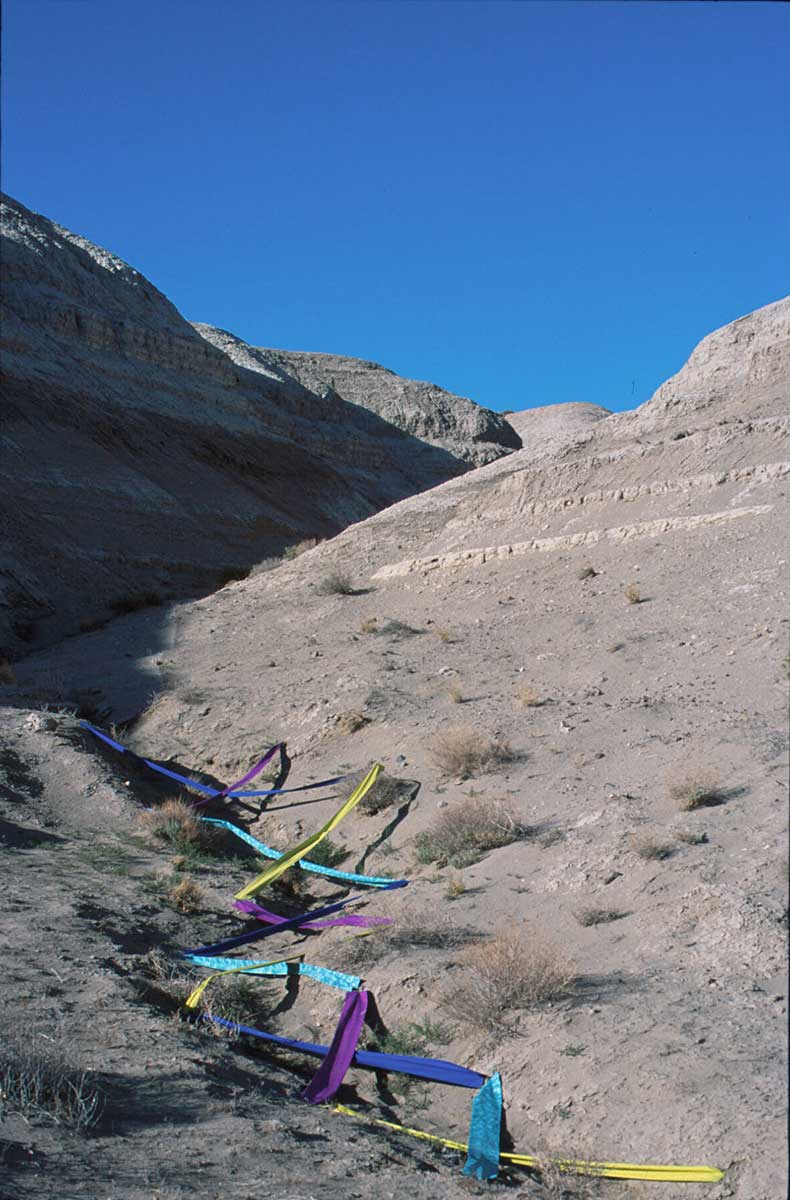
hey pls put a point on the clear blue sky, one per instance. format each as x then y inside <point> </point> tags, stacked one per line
<point>524,202</point>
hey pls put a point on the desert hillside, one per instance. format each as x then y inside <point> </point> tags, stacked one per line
<point>574,665</point>
<point>158,462</point>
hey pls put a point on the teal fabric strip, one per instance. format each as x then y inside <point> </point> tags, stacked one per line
<point>484,1131</point>
<point>346,983</point>
<point>330,872</point>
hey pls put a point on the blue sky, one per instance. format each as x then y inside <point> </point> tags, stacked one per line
<point>527,203</point>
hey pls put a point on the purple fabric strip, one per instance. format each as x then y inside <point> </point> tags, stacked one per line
<point>260,764</point>
<point>330,1074</point>
<point>270,918</point>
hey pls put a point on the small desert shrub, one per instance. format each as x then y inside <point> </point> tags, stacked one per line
<point>512,970</point>
<point>650,846</point>
<point>298,548</point>
<point>690,837</point>
<point>586,573</point>
<point>461,751</point>
<point>632,594</point>
<point>463,832</point>
<point>327,854</point>
<point>454,693</point>
<point>385,792</point>
<point>350,722</point>
<point>369,625</point>
<point>598,916</point>
<point>697,788</point>
<point>528,697</point>
<point>398,630</point>
<point>566,1177</point>
<point>455,887</point>
<point>177,823</point>
<point>410,931</point>
<point>336,583</point>
<point>186,896</point>
<point>42,1085</point>
<point>444,635</point>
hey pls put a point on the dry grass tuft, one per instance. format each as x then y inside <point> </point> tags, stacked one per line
<point>299,548</point>
<point>455,887</point>
<point>696,788</point>
<point>461,751</point>
<point>454,693</point>
<point>650,846</point>
<point>409,932</point>
<point>41,1084</point>
<point>186,896</point>
<point>598,916</point>
<point>444,635</point>
<point>369,625</point>
<point>513,970</point>
<point>350,722</point>
<point>464,831</point>
<point>632,594</point>
<point>176,822</point>
<point>336,583</point>
<point>528,697</point>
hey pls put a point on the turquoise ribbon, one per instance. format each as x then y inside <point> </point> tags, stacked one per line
<point>381,881</point>
<point>484,1131</point>
<point>346,983</point>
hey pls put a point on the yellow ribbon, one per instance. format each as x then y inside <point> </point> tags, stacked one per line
<point>292,856</point>
<point>609,1170</point>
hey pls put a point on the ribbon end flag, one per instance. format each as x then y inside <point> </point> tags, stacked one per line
<point>484,1131</point>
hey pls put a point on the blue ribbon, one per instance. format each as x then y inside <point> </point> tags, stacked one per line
<point>435,1069</point>
<point>379,881</point>
<point>484,1131</point>
<point>202,787</point>
<point>346,983</point>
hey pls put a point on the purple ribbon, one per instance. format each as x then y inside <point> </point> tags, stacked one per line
<point>330,1074</point>
<point>270,918</point>
<point>260,764</point>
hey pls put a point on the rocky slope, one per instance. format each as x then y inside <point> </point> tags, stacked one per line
<point>153,462</point>
<point>547,430</point>
<point>618,615</point>
<point>424,410</point>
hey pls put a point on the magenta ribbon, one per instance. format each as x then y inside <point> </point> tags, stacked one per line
<point>330,1074</point>
<point>260,764</point>
<point>270,918</point>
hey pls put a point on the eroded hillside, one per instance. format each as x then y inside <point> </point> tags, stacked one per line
<point>608,630</point>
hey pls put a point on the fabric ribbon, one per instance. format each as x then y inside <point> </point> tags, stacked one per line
<point>255,935</point>
<point>379,881</point>
<point>484,1131</point>
<point>226,793</point>
<point>291,857</point>
<point>607,1170</point>
<point>263,914</point>
<point>330,1074</point>
<point>435,1069</point>
<point>253,966</point>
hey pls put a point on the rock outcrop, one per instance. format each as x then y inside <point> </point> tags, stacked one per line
<point>143,461</point>
<point>474,434</point>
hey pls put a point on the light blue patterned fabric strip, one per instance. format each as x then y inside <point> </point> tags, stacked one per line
<point>346,983</point>
<point>347,876</point>
<point>484,1131</point>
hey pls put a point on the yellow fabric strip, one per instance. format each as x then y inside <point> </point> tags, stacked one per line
<point>192,999</point>
<point>292,856</point>
<point>608,1170</point>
